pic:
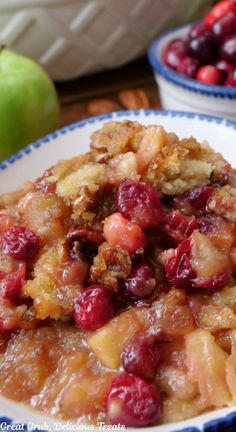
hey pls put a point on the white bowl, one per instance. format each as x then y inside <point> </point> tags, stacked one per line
<point>65,143</point>
<point>71,38</point>
<point>181,93</point>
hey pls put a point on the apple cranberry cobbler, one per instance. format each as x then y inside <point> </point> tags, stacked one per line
<point>118,297</point>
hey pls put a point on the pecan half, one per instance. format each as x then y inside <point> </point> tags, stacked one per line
<point>102,106</point>
<point>134,99</point>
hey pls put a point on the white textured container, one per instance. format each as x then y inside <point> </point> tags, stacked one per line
<point>71,38</point>
<point>181,93</point>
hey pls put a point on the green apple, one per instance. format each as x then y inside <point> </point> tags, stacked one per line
<point>29,105</point>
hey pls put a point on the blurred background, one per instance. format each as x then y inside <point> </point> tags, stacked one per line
<point>93,50</point>
<point>71,38</point>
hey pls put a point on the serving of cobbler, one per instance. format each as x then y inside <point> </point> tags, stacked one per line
<point>117,282</point>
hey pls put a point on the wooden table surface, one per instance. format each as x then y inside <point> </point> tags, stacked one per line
<point>77,97</point>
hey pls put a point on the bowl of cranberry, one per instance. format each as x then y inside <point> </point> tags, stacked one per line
<point>195,64</point>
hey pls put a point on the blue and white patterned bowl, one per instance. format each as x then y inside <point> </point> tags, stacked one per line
<point>181,93</point>
<point>65,143</point>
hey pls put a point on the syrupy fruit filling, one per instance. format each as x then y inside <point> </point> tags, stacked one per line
<point>117,281</point>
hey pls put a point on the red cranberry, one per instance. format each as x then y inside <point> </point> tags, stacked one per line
<point>177,43</point>
<point>231,79</point>
<point>209,74</point>
<point>204,49</point>
<point>20,243</point>
<point>219,10</point>
<point>179,226</point>
<point>143,356</point>
<point>214,284</point>
<point>209,224</point>
<point>223,27</point>
<point>198,197</point>
<point>139,202</point>
<point>188,67</point>
<point>209,20</point>
<point>131,401</point>
<point>141,282</point>
<point>228,49</point>
<point>178,267</point>
<point>198,29</point>
<point>174,53</point>
<point>11,283</point>
<point>194,200</point>
<point>93,308</point>
<point>224,67</point>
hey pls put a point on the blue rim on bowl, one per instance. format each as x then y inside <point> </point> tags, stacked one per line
<point>180,80</point>
<point>111,116</point>
<point>216,425</point>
